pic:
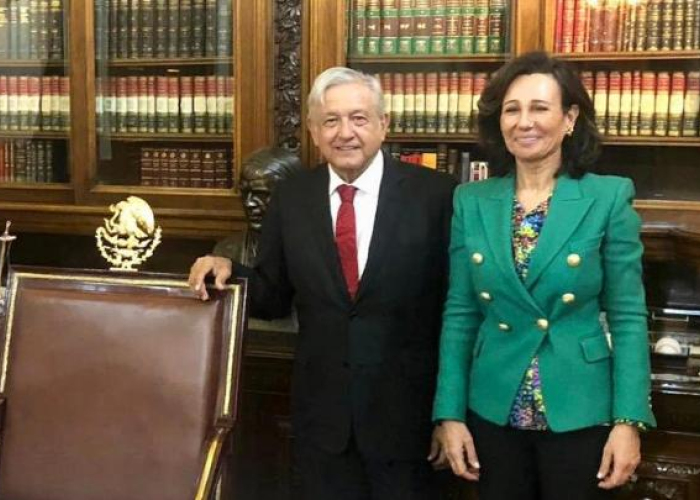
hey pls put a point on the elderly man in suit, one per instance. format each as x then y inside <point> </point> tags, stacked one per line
<point>360,247</point>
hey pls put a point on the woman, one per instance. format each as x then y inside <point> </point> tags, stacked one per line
<point>533,401</point>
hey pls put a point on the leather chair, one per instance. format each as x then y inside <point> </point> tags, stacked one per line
<point>116,387</point>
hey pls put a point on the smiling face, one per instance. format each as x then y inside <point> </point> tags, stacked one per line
<point>348,128</point>
<point>533,122</point>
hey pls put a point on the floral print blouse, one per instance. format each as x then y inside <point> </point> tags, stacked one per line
<point>529,411</point>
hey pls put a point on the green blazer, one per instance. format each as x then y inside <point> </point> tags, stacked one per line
<point>587,260</point>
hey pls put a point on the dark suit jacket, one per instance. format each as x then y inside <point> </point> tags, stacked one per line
<point>370,364</point>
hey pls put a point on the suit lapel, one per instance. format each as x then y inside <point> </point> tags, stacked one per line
<point>320,214</point>
<point>566,211</point>
<point>496,213</point>
<point>388,209</point>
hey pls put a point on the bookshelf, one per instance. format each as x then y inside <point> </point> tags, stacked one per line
<point>156,101</point>
<point>643,59</point>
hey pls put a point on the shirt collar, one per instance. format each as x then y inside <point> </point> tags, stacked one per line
<point>368,182</point>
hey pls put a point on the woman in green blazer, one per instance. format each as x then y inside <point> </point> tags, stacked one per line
<point>533,399</point>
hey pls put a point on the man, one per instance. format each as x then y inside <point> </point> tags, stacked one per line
<point>367,274</point>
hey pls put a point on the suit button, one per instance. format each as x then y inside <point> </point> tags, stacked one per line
<point>504,327</point>
<point>568,298</point>
<point>542,324</point>
<point>477,258</point>
<point>486,296</point>
<point>573,260</point>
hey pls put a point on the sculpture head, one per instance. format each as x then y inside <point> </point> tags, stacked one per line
<point>262,170</point>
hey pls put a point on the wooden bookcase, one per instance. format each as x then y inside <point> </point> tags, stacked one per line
<point>97,167</point>
<point>664,168</point>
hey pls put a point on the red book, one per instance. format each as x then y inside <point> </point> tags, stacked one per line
<point>661,102</point>
<point>567,30</point>
<point>675,105</point>
<point>173,104</point>
<point>558,24</point>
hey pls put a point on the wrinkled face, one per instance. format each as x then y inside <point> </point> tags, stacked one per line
<point>348,129</point>
<point>533,121</point>
<point>256,193</point>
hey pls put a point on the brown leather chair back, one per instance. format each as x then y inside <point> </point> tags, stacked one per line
<point>113,385</point>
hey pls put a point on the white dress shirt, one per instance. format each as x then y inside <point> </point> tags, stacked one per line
<point>365,203</point>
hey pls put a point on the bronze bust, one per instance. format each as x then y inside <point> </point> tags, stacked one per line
<point>261,172</point>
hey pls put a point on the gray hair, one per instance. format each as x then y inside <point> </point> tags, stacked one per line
<point>340,75</point>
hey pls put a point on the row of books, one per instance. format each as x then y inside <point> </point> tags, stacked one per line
<point>433,102</point>
<point>626,25</point>
<point>442,158</point>
<point>27,161</point>
<point>186,167</point>
<point>31,29</point>
<point>645,103</point>
<point>34,103</point>
<point>163,28</point>
<point>160,104</point>
<point>387,27</point>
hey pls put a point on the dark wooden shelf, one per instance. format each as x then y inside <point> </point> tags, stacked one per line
<point>441,58</point>
<point>631,56</point>
<point>33,134</point>
<point>32,63</point>
<point>627,140</point>
<point>469,138</point>
<point>150,137</point>
<point>158,63</point>
<point>44,186</point>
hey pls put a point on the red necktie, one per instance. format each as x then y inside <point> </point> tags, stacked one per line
<point>345,237</point>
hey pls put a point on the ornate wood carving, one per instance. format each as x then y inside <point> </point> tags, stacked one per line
<point>288,74</point>
<point>663,481</point>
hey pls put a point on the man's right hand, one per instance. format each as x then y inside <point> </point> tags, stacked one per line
<point>219,267</point>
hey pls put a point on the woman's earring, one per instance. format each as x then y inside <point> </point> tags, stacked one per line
<point>570,131</point>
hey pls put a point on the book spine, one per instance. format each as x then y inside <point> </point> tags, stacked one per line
<point>610,20</point>
<point>688,21</point>
<point>481,26</point>
<point>438,30</point>
<point>358,38</point>
<point>147,28</point>
<point>423,25</point>
<point>183,167</point>
<point>636,102</point>
<point>4,110</point>
<point>600,100</point>
<point>222,171</point>
<point>666,29</point>
<point>640,27</point>
<point>23,103</point>
<point>23,30</point>
<point>34,29</point>
<point>431,103</point>
<point>452,103</point>
<point>678,32</point>
<point>626,103</point>
<point>480,80</point>
<point>595,32</point>
<point>224,25</point>
<point>653,35</point>
<point>13,118</point>
<point>468,27</point>
<point>497,26</point>
<point>581,27</point>
<point>588,83</point>
<point>464,103</point>
<point>409,103</point>
<point>132,104</point>
<point>185,41</point>
<point>210,28</point>
<point>614,91</point>
<point>4,30</point>
<point>197,28</point>
<point>373,27</point>
<point>675,105</point>
<point>407,26</point>
<point>453,20</point>
<point>443,101</point>
<point>135,27</point>
<point>161,29</point>
<point>691,105</point>
<point>420,103</point>
<point>123,30</point>
<point>151,100</point>
<point>146,163</point>
<point>161,104</point>
<point>647,103</point>
<point>663,91</point>
<point>567,27</point>
<point>212,111</point>
<point>173,31</point>
<point>34,102</point>
<point>200,105</point>
<point>220,104</point>
<point>389,22</point>
<point>397,98</point>
<point>142,113</point>
<point>173,104</point>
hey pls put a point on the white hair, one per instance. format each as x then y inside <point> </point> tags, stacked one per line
<point>340,75</point>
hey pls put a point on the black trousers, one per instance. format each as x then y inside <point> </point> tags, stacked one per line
<point>350,475</point>
<point>538,465</point>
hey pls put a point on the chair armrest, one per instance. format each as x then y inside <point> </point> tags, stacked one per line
<point>212,459</point>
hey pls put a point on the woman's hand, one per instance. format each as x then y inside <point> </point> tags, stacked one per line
<point>621,455</point>
<point>452,443</point>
